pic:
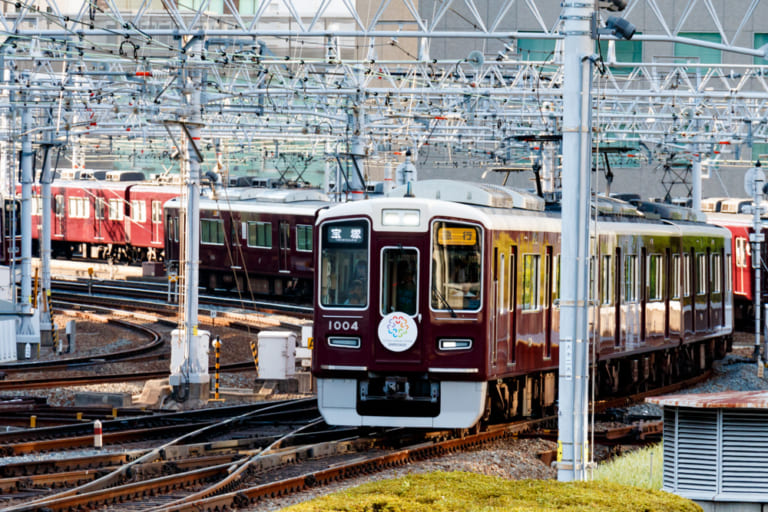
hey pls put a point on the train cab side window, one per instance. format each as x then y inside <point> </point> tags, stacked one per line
<point>701,273</point>
<point>344,264</point>
<point>531,280</point>
<point>212,231</point>
<point>630,278</point>
<point>456,256</point>
<point>304,238</point>
<point>260,235</point>
<point>728,273</point>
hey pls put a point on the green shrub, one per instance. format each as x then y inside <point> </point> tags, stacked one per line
<point>470,492</point>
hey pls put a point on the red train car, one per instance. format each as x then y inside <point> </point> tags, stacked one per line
<point>253,239</point>
<point>105,219</point>
<point>729,213</point>
<point>458,318</point>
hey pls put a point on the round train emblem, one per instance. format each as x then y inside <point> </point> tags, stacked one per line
<point>397,332</point>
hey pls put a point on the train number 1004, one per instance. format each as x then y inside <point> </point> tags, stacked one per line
<point>339,325</point>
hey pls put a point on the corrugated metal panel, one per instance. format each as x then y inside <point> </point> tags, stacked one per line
<point>670,449</point>
<point>744,445</point>
<point>697,450</point>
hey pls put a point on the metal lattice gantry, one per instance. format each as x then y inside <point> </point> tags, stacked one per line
<point>376,75</point>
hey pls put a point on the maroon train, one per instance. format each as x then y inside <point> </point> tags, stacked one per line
<point>253,239</point>
<point>458,317</point>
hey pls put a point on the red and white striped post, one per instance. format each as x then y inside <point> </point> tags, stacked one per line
<point>97,437</point>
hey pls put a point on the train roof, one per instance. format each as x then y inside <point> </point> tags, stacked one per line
<point>472,193</point>
<point>280,201</point>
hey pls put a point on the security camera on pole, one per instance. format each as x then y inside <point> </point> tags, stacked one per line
<point>754,180</point>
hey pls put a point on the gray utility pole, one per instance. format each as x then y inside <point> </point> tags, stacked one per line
<point>754,180</point>
<point>27,336</point>
<point>46,322</point>
<point>577,153</point>
<point>189,349</point>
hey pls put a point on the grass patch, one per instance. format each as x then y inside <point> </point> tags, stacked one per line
<point>470,492</point>
<point>640,468</point>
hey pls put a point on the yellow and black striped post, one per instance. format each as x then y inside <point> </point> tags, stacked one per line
<point>54,330</point>
<point>217,355</point>
<point>255,352</point>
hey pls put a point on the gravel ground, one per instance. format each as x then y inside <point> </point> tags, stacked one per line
<point>512,458</point>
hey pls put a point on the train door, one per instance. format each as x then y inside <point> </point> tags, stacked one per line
<point>512,351</point>
<point>617,299</point>
<point>708,279</point>
<point>284,228</point>
<point>400,279</point>
<point>689,325</point>
<point>548,302</point>
<point>502,310</point>
<point>632,307</point>
<point>157,221</point>
<point>58,216</point>
<point>643,293</point>
<point>98,217</point>
<point>669,277</point>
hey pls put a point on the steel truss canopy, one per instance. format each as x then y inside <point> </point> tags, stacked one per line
<point>375,76</point>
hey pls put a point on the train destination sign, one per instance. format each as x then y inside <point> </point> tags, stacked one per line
<point>457,236</point>
<point>347,233</point>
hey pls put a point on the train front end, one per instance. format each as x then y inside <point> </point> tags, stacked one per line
<point>398,333</point>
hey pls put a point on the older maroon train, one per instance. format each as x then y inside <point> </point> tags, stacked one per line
<point>441,308</point>
<point>118,217</point>
<point>253,239</point>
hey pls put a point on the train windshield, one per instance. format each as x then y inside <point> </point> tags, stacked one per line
<point>344,264</point>
<point>456,257</point>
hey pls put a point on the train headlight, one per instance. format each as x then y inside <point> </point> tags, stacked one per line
<point>344,342</point>
<point>454,344</point>
<point>391,217</point>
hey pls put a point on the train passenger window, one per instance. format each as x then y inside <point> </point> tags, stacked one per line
<point>630,278</point>
<point>399,284</point>
<point>260,235</point>
<point>676,276</point>
<point>138,211</point>
<point>728,275</point>
<point>79,208</point>
<point>556,290</point>
<point>716,267</point>
<point>456,256</point>
<point>343,264</point>
<point>531,280</point>
<point>701,273</point>
<point>304,238</point>
<point>655,277</point>
<point>212,231</point>
<point>37,205</point>
<point>606,283</point>
<point>687,275</point>
<point>115,209</point>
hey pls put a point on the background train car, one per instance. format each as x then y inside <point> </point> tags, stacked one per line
<point>730,214</point>
<point>255,240</point>
<point>105,219</point>
<point>458,317</point>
